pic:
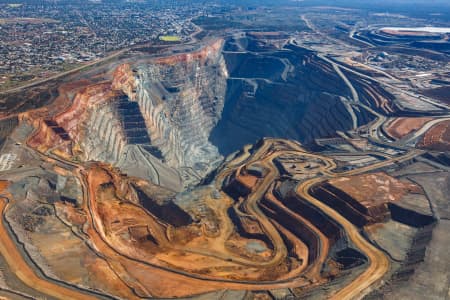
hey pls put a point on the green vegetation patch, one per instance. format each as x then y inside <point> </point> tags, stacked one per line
<point>170,38</point>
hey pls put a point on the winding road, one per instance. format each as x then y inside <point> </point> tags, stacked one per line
<point>24,272</point>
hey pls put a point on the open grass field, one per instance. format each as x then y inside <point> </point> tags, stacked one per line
<point>170,38</point>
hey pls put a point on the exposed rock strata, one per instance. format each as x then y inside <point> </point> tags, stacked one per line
<point>437,138</point>
<point>181,99</point>
<point>287,93</point>
<point>364,198</point>
<point>172,119</point>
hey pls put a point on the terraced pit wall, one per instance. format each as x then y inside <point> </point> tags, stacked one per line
<point>181,99</point>
<point>173,119</point>
<point>105,139</point>
<point>201,106</point>
<point>285,93</point>
<point>189,110</point>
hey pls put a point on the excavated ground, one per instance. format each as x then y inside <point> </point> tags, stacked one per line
<point>401,127</point>
<point>115,162</point>
<point>283,92</point>
<point>437,137</point>
<point>171,120</point>
<point>365,198</point>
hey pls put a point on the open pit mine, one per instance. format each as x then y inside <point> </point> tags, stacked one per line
<point>245,167</point>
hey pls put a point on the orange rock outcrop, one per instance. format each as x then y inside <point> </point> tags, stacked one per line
<point>63,130</point>
<point>401,127</point>
<point>200,55</point>
<point>374,191</point>
<point>124,80</point>
<point>437,138</point>
<point>75,115</point>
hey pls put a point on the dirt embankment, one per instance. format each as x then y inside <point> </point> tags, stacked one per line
<point>60,124</point>
<point>364,199</point>
<point>200,55</point>
<point>437,138</point>
<point>401,127</point>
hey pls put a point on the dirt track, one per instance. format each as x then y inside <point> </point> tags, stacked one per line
<point>194,284</point>
<point>22,270</point>
<point>378,263</point>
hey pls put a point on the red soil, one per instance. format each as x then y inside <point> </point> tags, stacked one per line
<point>437,138</point>
<point>200,55</point>
<point>124,80</point>
<point>375,190</point>
<point>401,127</point>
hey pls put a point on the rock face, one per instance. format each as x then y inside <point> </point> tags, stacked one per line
<point>202,105</point>
<point>123,79</point>
<point>437,138</point>
<point>152,120</point>
<point>104,124</point>
<point>288,93</point>
<point>172,119</point>
<point>365,198</point>
<point>181,99</point>
<point>114,131</point>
